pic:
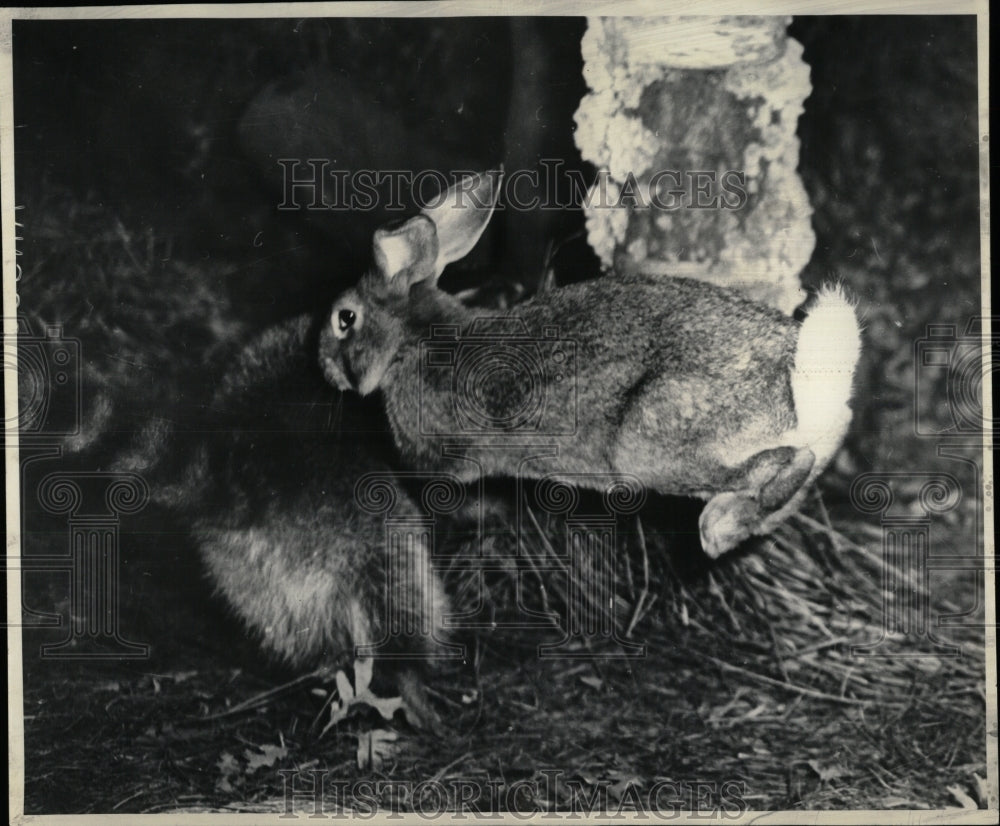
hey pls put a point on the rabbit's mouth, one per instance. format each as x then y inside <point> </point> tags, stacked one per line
<point>339,373</point>
<point>349,375</point>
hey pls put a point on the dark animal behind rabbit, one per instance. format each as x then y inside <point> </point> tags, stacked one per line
<point>269,488</point>
<point>274,389</point>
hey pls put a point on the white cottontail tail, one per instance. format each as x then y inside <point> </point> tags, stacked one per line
<point>270,492</point>
<point>691,388</point>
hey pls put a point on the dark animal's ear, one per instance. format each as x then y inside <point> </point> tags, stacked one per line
<point>408,253</point>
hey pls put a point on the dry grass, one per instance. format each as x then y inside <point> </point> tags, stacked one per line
<point>747,677</point>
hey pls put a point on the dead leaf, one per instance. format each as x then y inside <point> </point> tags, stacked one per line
<point>268,756</point>
<point>338,712</point>
<point>230,770</point>
<point>982,790</point>
<point>827,773</point>
<point>344,688</point>
<point>964,800</point>
<point>593,682</point>
<point>362,693</point>
<point>363,668</point>
<point>386,706</point>
<point>359,694</point>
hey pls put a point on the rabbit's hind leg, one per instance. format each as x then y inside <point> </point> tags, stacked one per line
<point>776,480</point>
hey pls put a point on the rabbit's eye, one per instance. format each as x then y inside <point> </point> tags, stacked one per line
<point>345,321</point>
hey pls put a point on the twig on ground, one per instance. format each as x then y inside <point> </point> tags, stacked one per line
<point>637,611</point>
<point>809,692</point>
<point>265,697</point>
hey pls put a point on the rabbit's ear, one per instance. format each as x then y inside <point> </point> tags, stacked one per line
<point>462,215</point>
<point>408,253</point>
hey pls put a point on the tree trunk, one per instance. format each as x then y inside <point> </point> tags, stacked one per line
<point>691,123</point>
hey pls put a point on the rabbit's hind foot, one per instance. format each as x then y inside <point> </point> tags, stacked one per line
<point>777,477</point>
<point>726,521</point>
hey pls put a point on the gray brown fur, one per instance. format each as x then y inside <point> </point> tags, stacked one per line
<point>686,385</point>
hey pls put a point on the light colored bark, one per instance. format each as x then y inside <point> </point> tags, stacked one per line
<point>698,95</point>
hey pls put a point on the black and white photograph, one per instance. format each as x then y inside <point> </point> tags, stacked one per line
<point>452,411</point>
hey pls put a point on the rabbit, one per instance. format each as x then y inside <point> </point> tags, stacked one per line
<point>690,387</point>
<point>271,497</point>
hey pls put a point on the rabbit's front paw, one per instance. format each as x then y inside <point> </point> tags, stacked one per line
<point>726,521</point>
